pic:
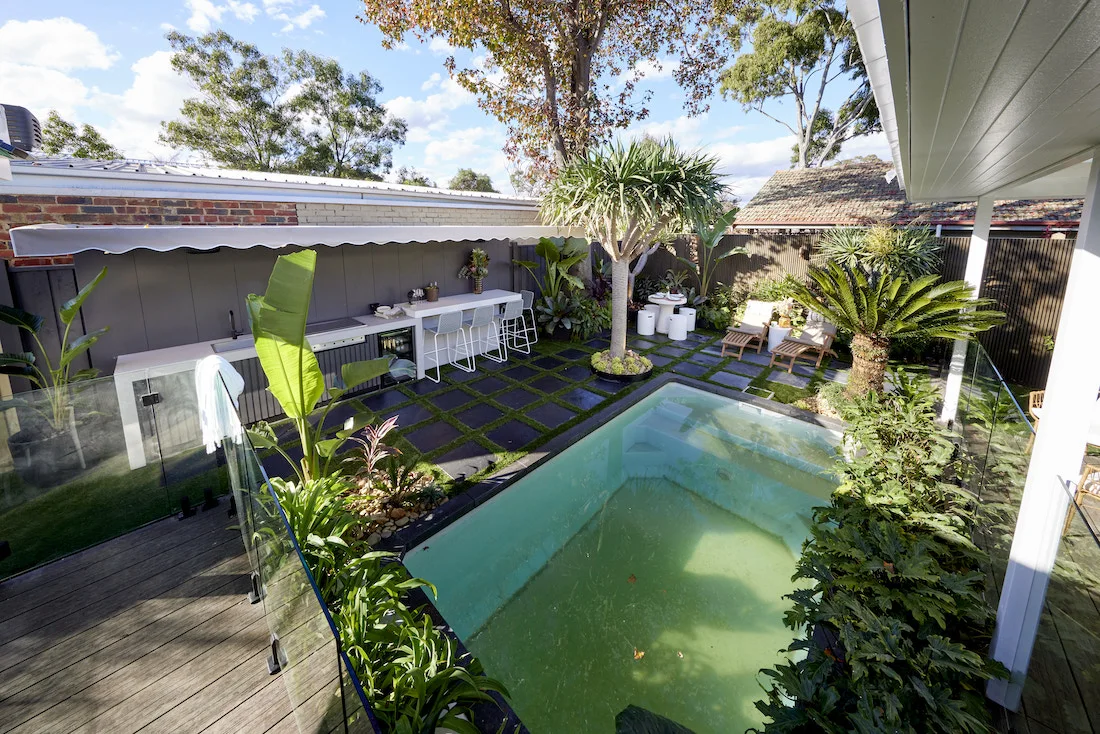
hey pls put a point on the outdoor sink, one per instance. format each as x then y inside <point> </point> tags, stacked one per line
<point>233,345</point>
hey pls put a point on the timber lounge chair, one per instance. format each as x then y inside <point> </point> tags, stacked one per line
<point>813,344</point>
<point>753,328</point>
<point>1088,490</point>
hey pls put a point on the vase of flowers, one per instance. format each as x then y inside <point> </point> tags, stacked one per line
<point>476,268</point>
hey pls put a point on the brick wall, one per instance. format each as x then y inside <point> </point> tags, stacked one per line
<point>17,210</point>
<point>352,214</point>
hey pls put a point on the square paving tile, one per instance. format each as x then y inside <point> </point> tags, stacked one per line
<point>582,399</point>
<point>387,399</point>
<point>489,385</point>
<point>840,376</point>
<point>548,363</point>
<point>788,379</point>
<point>744,368</point>
<point>478,416</point>
<point>708,359</point>
<point>764,358</point>
<point>739,382</point>
<point>469,459</point>
<point>642,344</point>
<point>573,353</point>
<point>548,384</point>
<point>608,386</point>
<point>450,400</point>
<point>700,338</point>
<point>576,372</point>
<point>658,360</point>
<point>463,376</point>
<point>551,415</point>
<point>426,387</point>
<point>598,343</point>
<point>805,369</point>
<point>410,415</point>
<point>691,369</point>
<point>670,351</point>
<point>488,365</point>
<point>517,398</point>
<point>432,436</point>
<point>522,373</point>
<point>513,435</point>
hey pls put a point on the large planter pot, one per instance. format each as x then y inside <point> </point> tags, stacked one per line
<point>623,378</point>
<point>44,459</point>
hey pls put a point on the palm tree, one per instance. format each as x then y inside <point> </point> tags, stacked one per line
<point>877,309</point>
<point>626,198</point>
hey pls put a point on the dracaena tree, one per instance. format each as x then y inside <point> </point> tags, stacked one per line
<point>877,309</point>
<point>626,197</point>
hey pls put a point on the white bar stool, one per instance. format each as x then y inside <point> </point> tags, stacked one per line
<point>449,323</point>
<point>690,313</point>
<point>647,322</point>
<point>514,327</point>
<point>487,333</point>
<point>529,308</point>
<point>677,327</point>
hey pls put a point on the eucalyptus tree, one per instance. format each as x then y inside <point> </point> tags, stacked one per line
<point>628,198</point>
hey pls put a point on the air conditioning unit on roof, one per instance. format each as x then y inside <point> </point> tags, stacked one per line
<point>20,131</point>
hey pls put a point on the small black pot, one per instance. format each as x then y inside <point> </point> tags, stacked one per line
<point>44,459</point>
<point>623,378</point>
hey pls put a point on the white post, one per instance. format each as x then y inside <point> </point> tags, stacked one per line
<point>975,267</point>
<point>1071,391</point>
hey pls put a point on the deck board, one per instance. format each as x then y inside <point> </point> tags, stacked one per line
<point>151,631</point>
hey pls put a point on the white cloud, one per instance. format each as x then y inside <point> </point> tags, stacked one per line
<point>244,11</point>
<point>167,27</point>
<point>432,82</point>
<point>430,114</point>
<point>460,145</point>
<point>56,43</point>
<point>205,14</point>
<point>875,144</point>
<point>439,46</point>
<point>476,147</point>
<point>280,10</point>
<point>649,69</point>
<point>40,89</point>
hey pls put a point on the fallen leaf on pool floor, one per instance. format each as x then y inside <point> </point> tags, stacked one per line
<point>638,654</point>
<point>679,654</point>
<point>632,578</point>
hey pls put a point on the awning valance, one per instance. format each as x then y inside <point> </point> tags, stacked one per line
<point>44,240</point>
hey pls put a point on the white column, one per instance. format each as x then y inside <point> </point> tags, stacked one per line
<point>1071,390</point>
<point>975,267</point>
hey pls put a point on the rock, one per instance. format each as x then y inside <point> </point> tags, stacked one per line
<point>414,515</point>
<point>397,513</point>
<point>387,533</point>
<point>403,522</point>
<point>373,538</point>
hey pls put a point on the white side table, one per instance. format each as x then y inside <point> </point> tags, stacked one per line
<point>776,335</point>
<point>668,304</point>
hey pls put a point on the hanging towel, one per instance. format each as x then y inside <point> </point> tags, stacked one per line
<point>217,417</point>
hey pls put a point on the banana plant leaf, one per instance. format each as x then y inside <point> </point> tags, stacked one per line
<point>17,363</point>
<point>71,308</point>
<point>18,317</point>
<point>80,345</point>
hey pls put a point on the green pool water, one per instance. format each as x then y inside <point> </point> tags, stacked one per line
<point>644,565</point>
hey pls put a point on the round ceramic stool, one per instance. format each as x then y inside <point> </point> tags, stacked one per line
<point>690,313</point>
<point>647,320</point>
<point>677,327</point>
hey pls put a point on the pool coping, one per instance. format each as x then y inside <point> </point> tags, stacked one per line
<point>502,716</point>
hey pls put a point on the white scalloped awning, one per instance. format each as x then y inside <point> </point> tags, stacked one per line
<point>44,240</point>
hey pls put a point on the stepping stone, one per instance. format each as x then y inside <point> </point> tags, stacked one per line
<point>744,368</point>
<point>691,369</point>
<point>738,382</point>
<point>573,353</point>
<point>642,344</point>
<point>433,436</point>
<point>448,401</point>
<point>839,376</point>
<point>513,435</point>
<point>805,369</point>
<point>608,386</point>
<point>784,378</point>
<point>426,387</point>
<point>522,373</point>
<point>517,398</point>
<point>548,363</point>
<point>551,415</point>
<point>548,384</point>
<point>383,400</point>
<point>479,415</point>
<point>582,399</point>
<point>576,372</point>
<point>708,359</point>
<point>410,415</point>
<point>469,459</point>
<point>761,359</point>
<point>701,338</point>
<point>658,360</point>
<point>670,351</point>
<point>489,385</point>
<point>488,365</point>
<point>460,376</point>
<point>598,344</point>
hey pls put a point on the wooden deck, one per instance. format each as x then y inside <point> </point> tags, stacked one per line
<point>149,632</point>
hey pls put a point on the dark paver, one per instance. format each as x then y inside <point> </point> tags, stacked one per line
<point>548,384</point>
<point>670,351</point>
<point>764,358</point>
<point>433,436</point>
<point>488,385</point>
<point>840,376</point>
<point>805,369</point>
<point>450,400</point>
<point>551,415</point>
<point>581,398</point>
<point>576,372</point>
<point>785,378</point>
<point>691,369</point>
<point>464,376</point>
<point>517,398</point>
<point>548,363</point>
<point>598,343</point>
<point>513,435</point>
<point>426,387</point>
<point>700,338</point>
<point>608,386</point>
<point>469,459</point>
<point>744,368</point>
<point>410,415</point>
<point>658,360</point>
<point>386,399</point>
<point>478,416</point>
<point>520,373</point>
<point>706,359</point>
<point>739,382</point>
<point>573,353</point>
<point>642,344</point>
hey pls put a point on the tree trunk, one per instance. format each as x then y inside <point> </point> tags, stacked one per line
<point>620,273</point>
<point>869,357</point>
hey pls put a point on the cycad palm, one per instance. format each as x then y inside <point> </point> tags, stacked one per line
<point>877,309</point>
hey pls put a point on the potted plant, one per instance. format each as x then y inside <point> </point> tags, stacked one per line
<point>431,292</point>
<point>674,281</point>
<point>631,367</point>
<point>47,446</point>
<point>476,268</point>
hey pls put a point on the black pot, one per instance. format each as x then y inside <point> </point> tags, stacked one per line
<point>560,334</point>
<point>44,459</point>
<point>623,378</point>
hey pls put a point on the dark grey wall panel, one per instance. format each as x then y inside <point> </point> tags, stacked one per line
<point>387,275</point>
<point>116,303</point>
<point>166,300</point>
<point>329,294</point>
<point>251,268</point>
<point>411,271</point>
<point>214,285</point>
<point>359,279</point>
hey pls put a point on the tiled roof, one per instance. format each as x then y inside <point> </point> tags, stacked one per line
<point>858,193</point>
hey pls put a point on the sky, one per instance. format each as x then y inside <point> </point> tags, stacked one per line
<point>107,63</point>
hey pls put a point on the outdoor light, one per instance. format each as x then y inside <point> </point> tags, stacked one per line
<point>209,500</point>
<point>186,510</point>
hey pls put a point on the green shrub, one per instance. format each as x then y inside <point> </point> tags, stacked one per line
<point>717,311</point>
<point>590,317</point>
<point>896,251</point>
<point>891,612</point>
<point>774,289</point>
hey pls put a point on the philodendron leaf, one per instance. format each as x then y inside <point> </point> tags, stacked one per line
<point>18,317</point>
<point>71,308</point>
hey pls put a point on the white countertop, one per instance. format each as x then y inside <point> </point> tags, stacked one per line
<point>183,357</point>
<point>423,309</point>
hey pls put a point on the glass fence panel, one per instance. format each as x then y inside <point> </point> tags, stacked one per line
<point>79,465</point>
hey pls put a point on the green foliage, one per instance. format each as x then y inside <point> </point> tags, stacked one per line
<point>556,312</point>
<point>408,176</point>
<point>57,379</point>
<point>709,237</point>
<point>674,280</point>
<point>469,180</point>
<point>907,251</point>
<point>774,289</point>
<point>559,255</point>
<point>644,287</point>
<point>891,614</point>
<point>590,317</point>
<point>718,310</point>
<point>630,364</point>
<point>60,137</point>
<point>799,50</point>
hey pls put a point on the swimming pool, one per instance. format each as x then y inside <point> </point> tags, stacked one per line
<point>646,564</point>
